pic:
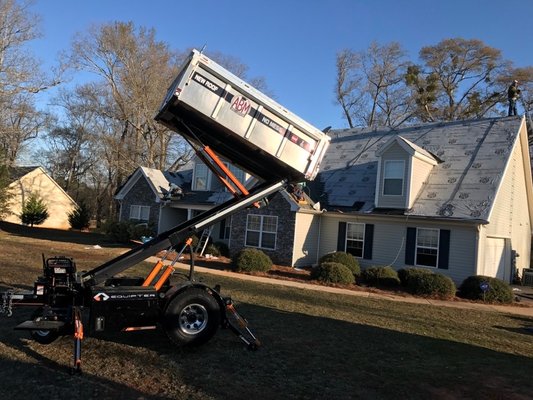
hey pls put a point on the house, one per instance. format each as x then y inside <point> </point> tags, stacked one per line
<point>27,180</point>
<point>452,197</point>
<point>163,199</point>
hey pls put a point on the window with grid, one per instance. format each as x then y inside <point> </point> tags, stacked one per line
<point>140,213</point>
<point>393,173</point>
<point>355,239</point>
<point>261,231</point>
<point>201,174</point>
<point>427,247</point>
<point>239,173</point>
<point>227,228</point>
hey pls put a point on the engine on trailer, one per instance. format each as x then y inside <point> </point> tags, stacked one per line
<point>58,282</point>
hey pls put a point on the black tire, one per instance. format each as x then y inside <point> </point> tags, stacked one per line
<point>192,317</point>
<point>42,336</point>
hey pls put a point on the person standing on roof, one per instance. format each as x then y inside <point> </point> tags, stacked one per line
<point>513,93</point>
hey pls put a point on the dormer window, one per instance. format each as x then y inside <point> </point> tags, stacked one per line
<point>201,175</point>
<point>393,177</point>
<point>403,168</point>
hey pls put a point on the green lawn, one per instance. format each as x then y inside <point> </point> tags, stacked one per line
<point>316,345</point>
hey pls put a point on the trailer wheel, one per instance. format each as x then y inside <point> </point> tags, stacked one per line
<point>42,336</point>
<point>191,318</point>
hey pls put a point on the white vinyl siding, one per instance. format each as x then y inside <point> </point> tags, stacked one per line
<point>392,157</point>
<point>261,231</point>
<point>306,239</point>
<point>390,240</point>
<point>139,213</point>
<point>420,171</point>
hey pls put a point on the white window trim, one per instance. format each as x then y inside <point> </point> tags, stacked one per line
<point>261,216</point>
<point>426,247</point>
<point>355,240</point>
<point>137,214</point>
<point>207,177</point>
<point>227,227</point>
<point>384,177</point>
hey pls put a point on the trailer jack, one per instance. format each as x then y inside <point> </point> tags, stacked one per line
<point>239,326</point>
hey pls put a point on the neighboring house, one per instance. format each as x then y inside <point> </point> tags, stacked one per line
<point>454,197</point>
<point>28,180</point>
<point>163,199</point>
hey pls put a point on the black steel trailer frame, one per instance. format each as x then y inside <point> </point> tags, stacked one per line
<point>190,312</point>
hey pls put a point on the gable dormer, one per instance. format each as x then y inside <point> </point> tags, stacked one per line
<point>204,180</point>
<point>403,168</point>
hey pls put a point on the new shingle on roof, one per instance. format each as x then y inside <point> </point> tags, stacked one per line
<point>473,154</point>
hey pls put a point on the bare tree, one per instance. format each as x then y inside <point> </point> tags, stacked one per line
<point>370,85</point>
<point>136,70</point>
<point>20,78</point>
<point>72,142</point>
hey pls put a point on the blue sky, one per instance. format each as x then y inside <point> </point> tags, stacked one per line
<point>293,43</point>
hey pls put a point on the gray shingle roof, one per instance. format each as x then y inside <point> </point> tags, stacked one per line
<point>474,154</point>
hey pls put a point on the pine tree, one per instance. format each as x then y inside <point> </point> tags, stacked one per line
<point>80,217</point>
<point>34,211</point>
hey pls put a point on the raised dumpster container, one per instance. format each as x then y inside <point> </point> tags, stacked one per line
<point>208,105</point>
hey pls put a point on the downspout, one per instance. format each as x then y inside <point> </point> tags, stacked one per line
<point>477,253</point>
<point>318,236</point>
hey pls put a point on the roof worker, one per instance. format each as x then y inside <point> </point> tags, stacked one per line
<point>513,93</point>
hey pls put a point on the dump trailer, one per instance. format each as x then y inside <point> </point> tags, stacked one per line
<point>220,116</point>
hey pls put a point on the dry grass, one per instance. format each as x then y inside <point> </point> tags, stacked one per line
<point>315,346</point>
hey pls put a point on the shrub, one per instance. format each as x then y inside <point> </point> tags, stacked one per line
<point>381,276</point>
<point>431,285</point>
<point>249,260</point>
<point>497,292</point>
<point>406,274</point>
<point>34,211</point>
<point>343,258</point>
<point>212,250</point>
<point>333,272</point>
<point>223,248</point>
<point>125,231</point>
<point>80,217</point>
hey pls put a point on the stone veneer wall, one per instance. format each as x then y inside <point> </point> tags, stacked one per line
<point>279,207</point>
<point>141,194</point>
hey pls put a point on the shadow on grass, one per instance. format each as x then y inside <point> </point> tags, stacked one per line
<point>37,376</point>
<point>59,235</point>
<point>305,357</point>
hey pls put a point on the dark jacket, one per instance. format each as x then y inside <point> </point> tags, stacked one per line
<point>513,92</point>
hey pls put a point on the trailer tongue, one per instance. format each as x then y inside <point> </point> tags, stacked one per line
<point>219,115</point>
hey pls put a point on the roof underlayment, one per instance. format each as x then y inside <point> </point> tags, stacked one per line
<point>463,185</point>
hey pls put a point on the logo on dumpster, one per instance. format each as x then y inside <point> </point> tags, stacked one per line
<point>241,105</point>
